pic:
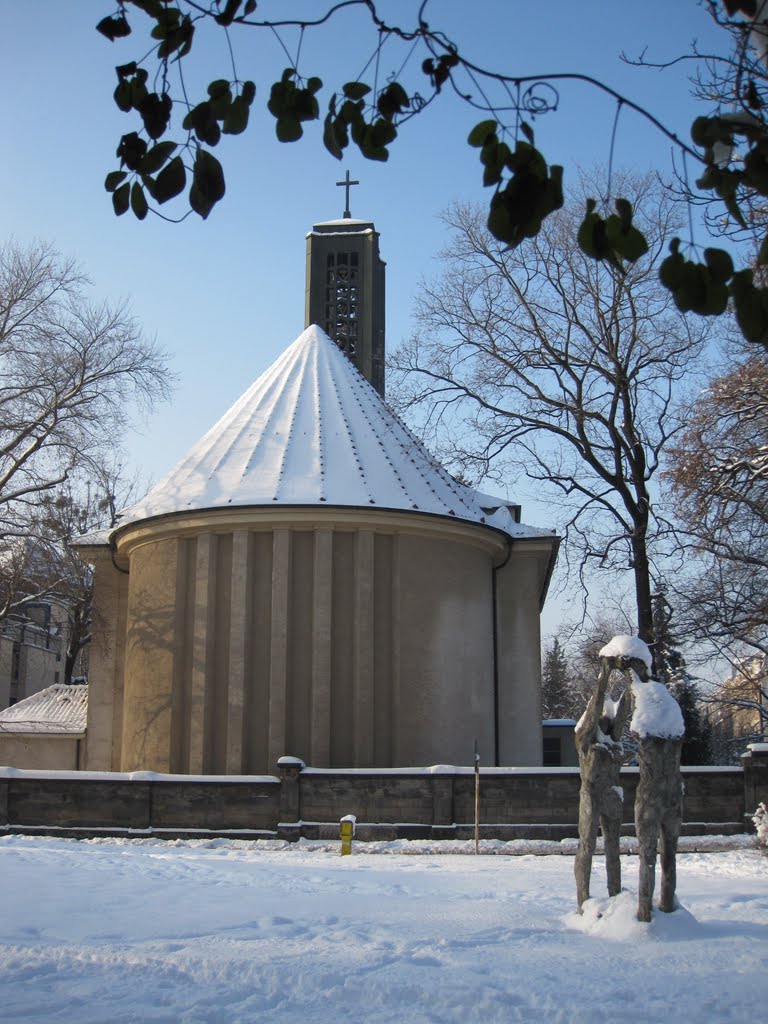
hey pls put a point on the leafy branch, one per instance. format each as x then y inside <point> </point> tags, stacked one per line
<point>155,168</point>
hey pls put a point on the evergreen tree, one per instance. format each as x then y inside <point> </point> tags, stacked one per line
<point>556,691</point>
<point>671,670</point>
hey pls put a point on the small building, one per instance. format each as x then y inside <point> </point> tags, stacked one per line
<point>559,743</point>
<point>32,650</point>
<point>47,730</point>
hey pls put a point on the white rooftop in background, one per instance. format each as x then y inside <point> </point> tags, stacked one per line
<point>59,709</point>
<point>312,431</point>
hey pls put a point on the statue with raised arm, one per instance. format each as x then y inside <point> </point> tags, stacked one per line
<point>657,726</point>
<point>598,743</point>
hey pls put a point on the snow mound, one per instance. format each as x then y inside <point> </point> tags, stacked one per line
<point>656,712</point>
<point>616,918</point>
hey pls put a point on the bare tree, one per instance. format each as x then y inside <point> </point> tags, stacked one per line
<point>77,508</point>
<point>71,373</point>
<point>550,364</point>
<point>718,468</point>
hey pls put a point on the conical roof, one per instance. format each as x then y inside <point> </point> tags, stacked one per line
<point>311,431</point>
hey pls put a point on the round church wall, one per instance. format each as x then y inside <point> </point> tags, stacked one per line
<point>347,638</point>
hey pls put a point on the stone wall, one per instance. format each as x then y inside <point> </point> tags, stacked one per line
<point>414,803</point>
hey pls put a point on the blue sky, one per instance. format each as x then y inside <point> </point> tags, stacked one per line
<point>225,297</point>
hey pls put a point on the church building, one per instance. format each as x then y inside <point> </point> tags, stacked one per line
<point>309,581</point>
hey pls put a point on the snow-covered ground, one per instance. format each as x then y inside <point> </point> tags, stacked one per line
<point>218,930</point>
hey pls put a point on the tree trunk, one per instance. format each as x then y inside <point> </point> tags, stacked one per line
<point>642,571</point>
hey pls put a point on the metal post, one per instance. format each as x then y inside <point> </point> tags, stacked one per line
<point>477,800</point>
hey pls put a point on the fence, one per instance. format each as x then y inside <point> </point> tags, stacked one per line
<point>388,803</point>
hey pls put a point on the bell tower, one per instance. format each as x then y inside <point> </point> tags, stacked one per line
<point>345,289</point>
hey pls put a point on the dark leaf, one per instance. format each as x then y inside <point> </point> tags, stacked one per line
<point>382,133</point>
<point>218,88</point>
<point>170,181</point>
<point>527,131</point>
<point>156,113</point>
<point>132,150</point>
<point>482,133</point>
<point>236,119</point>
<point>207,183</point>
<point>750,306</point>
<point>229,13</point>
<point>202,119</point>
<point>392,101</point>
<point>138,201</point>
<point>123,96</point>
<point>335,136</point>
<point>356,90</point>
<point>126,70</point>
<point>719,263</point>
<point>121,199</point>
<point>113,179</point>
<point>156,157</point>
<point>115,27</point>
<point>288,129</point>
<point>221,99</point>
<point>154,8</point>
<point>138,86</point>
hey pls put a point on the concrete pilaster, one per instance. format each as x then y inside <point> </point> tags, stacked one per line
<point>238,649</point>
<point>278,670</point>
<point>363,651</point>
<point>519,658</point>
<point>202,654</point>
<point>395,738</point>
<point>322,604</point>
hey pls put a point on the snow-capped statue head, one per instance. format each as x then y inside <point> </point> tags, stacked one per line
<point>627,648</point>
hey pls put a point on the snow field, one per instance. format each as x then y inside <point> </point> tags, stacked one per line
<point>219,930</point>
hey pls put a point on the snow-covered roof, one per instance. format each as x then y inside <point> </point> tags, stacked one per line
<point>312,431</point>
<point>58,709</point>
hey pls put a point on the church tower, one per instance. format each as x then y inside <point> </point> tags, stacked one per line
<point>345,289</point>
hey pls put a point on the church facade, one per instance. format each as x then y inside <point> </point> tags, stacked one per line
<point>309,581</point>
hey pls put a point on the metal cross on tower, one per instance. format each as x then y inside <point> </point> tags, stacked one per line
<point>346,183</point>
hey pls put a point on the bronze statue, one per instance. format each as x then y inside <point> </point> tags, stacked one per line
<point>657,728</point>
<point>657,725</point>
<point>598,742</point>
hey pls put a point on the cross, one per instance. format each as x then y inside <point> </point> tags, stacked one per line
<point>346,184</point>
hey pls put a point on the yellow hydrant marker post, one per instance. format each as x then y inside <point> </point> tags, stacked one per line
<point>347,831</point>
